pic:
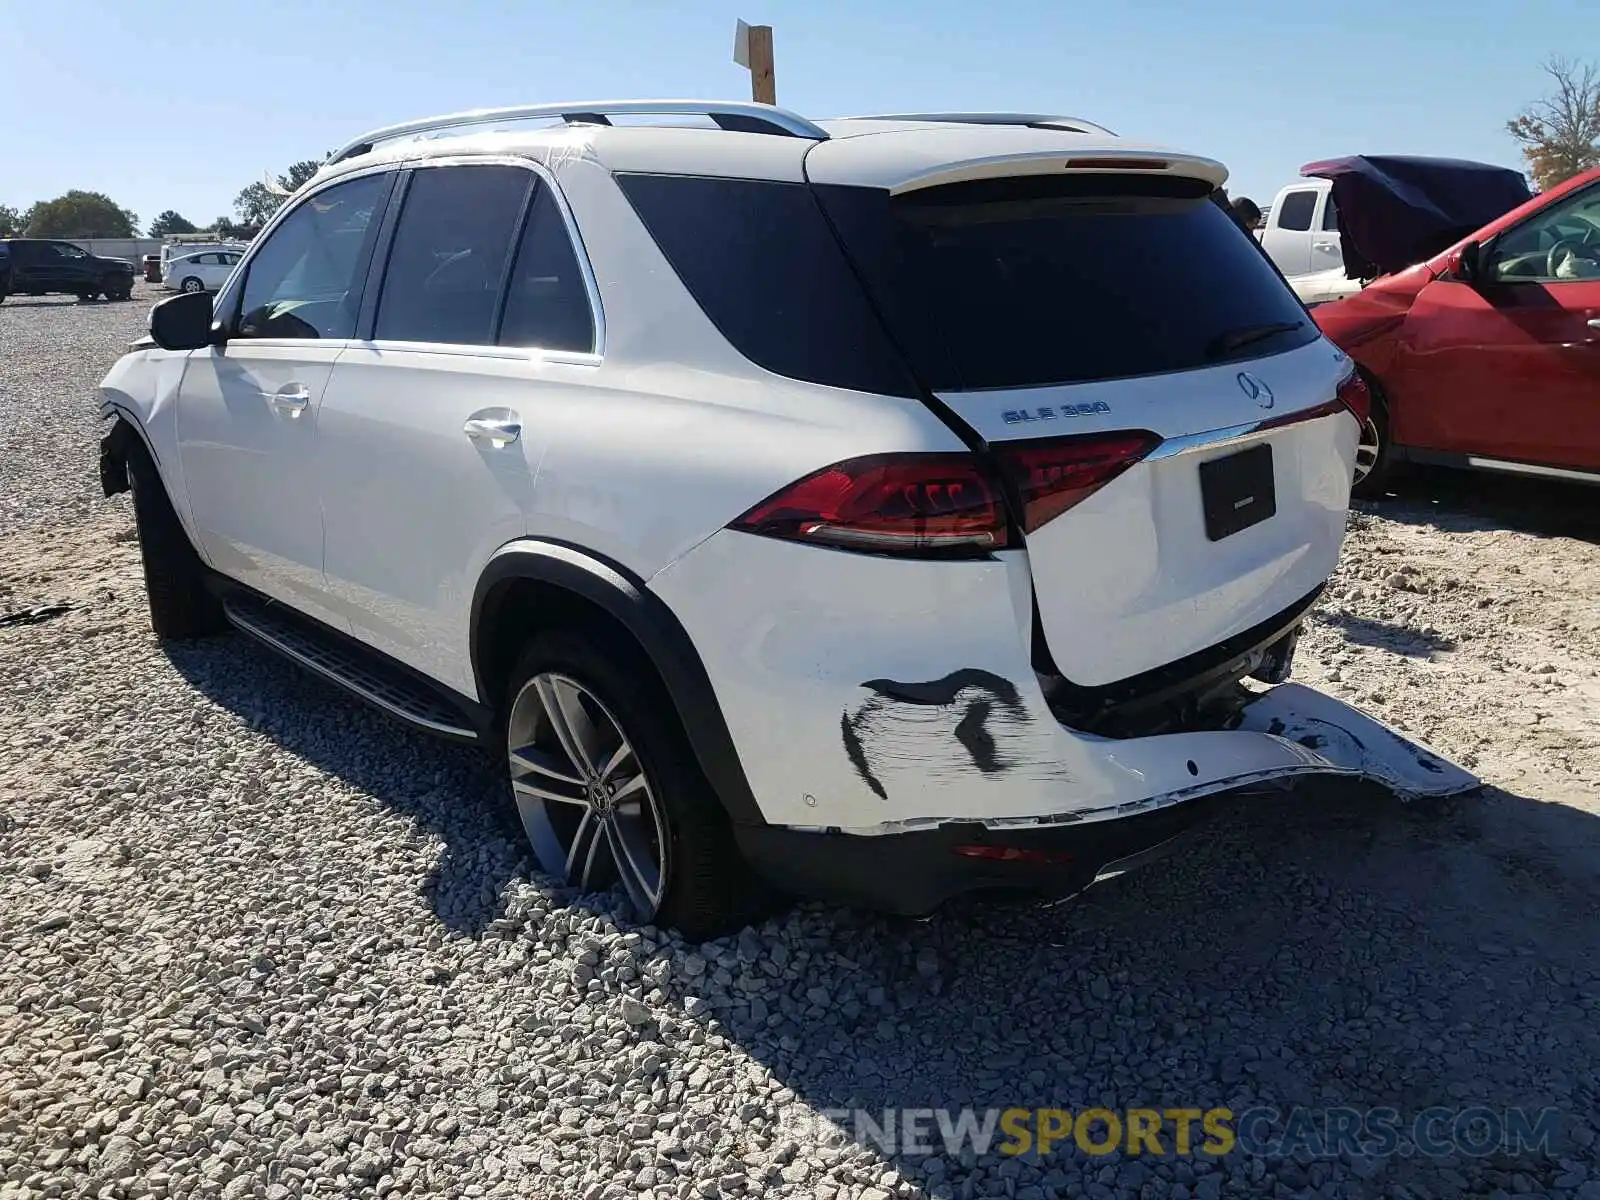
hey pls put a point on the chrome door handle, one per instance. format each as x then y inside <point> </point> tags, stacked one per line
<point>1594,323</point>
<point>1323,246</point>
<point>290,400</point>
<point>497,431</point>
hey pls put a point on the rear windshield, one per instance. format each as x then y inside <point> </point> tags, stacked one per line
<point>1040,280</point>
<point>1008,283</point>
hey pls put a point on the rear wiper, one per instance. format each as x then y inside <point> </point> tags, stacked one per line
<point>1225,344</point>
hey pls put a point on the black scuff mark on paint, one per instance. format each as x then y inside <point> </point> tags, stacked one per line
<point>1277,727</point>
<point>973,733</point>
<point>894,724</point>
<point>1425,760</point>
<point>946,689</point>
<point>1313,741</point>
<point>850,733</point>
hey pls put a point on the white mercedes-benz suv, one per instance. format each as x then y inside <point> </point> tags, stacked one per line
<point>878,509</point>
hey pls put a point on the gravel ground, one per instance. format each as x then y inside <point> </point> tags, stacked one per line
<point>256,941</point>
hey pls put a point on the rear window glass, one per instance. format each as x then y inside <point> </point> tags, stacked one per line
<point>760,260</point>
<point>1039,280</point>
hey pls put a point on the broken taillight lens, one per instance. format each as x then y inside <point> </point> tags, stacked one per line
<point>1051,477</point>
<point>922,505</point>
<point>1355,395</point>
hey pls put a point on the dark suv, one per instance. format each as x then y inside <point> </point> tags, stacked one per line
<point>35,266</point>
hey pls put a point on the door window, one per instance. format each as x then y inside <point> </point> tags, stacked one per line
<point>1330,216</point>
<point>451,250</point>
<point>1297,210</point>
<point>547,305</point>
<point>305,281</point>
<point>1560,243</point>
<point>69,252</point>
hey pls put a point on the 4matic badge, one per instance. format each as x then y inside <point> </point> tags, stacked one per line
<point>1018,416</point>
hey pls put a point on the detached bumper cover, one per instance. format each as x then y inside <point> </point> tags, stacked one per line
<point>910,867</point>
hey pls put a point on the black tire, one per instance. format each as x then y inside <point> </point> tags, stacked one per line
<point>120,293</point>
<point>1380,476</point>
<point>186,287</point>
<point>709,888</point>
<point>174,577</point>
<point>86,297</point>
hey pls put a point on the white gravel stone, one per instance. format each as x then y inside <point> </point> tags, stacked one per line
<point>257,941</point>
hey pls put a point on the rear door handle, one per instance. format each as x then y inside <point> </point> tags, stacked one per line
<point>497,427</point>
<point>290,400</point>
<point>1323,246</point>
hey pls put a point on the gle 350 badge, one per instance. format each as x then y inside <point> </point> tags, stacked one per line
<point>1049,412</point>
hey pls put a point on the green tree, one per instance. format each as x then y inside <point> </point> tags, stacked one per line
<point>256,203</point>
<point>80,214</point>
<point>223,226</point>
<point>171,222</point>
<point>1560,135</point>
<point>296,176</point>
<point>10,221</point>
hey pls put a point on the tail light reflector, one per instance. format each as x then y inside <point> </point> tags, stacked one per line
<point>1356,396</point>
<point>911,504</point>
<point>1051,477</point>
<point>1012,854</point>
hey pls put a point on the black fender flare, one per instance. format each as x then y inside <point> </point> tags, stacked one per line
<point>625,597</point>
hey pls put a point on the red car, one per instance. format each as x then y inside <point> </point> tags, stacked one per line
<point>1486,354</point>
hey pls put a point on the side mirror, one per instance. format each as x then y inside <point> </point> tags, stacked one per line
<point>183,322</point>
<point>1469,263</point>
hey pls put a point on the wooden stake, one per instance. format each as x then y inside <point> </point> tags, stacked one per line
<point>763,82</point>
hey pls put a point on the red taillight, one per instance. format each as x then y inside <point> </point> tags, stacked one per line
<point>1012,854</point>
<point>916,504</point>
<point>1356,396</point>
<point>1050,477</point>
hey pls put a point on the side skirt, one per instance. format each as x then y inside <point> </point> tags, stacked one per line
<point>386,685</point>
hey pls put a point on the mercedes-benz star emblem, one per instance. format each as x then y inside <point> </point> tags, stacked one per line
<point>1256,389</point>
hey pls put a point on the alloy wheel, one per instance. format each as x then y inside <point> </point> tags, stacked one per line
<point>582,793</point>
<point>1368,446</point>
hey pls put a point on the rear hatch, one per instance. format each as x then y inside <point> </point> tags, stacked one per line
<point>1164,408</point>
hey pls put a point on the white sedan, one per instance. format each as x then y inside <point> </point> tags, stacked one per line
<point>204,272</point>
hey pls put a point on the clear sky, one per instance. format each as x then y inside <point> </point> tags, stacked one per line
<point>179,105</point>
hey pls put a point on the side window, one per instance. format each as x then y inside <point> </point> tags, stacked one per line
<point>1330,216</point>
<point>68,251</point>
<point>1557,244</point>
<point>547,305</point>
<point>305,281</point>
<point>451,249</point>
<point>1297,210</point>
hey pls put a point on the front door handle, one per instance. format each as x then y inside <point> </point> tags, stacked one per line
<point>290,400</point>
<point>1594,323</point>
<point>498,427</point>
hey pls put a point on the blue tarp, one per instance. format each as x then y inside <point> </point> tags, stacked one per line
<point>1395,211</point>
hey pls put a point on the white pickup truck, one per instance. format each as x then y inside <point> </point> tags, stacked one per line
<point>1301,234</point>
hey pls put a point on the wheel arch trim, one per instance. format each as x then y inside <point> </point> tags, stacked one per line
<point>625,597</point>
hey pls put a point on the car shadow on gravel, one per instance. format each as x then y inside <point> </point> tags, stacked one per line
<point>1387,635</point>
<point>1330,947</point>
<point>451,791</point>
<point>1469,501</point>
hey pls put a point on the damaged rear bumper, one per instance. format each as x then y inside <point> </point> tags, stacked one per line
<point>912,865</point>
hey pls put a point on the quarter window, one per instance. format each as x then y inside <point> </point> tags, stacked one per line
<point>547,305</point>
<point>451,249</point>
<point>1297,210</point>
<point>1330,216</point>
<point>305,281</point>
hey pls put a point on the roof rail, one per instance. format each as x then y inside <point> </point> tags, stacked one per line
<point>733,115</point>
<point>1037,120</point>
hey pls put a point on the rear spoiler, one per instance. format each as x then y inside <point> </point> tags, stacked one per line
<point>1054,162</point>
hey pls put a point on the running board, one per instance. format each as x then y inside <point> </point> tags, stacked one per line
<point>360,673</point>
